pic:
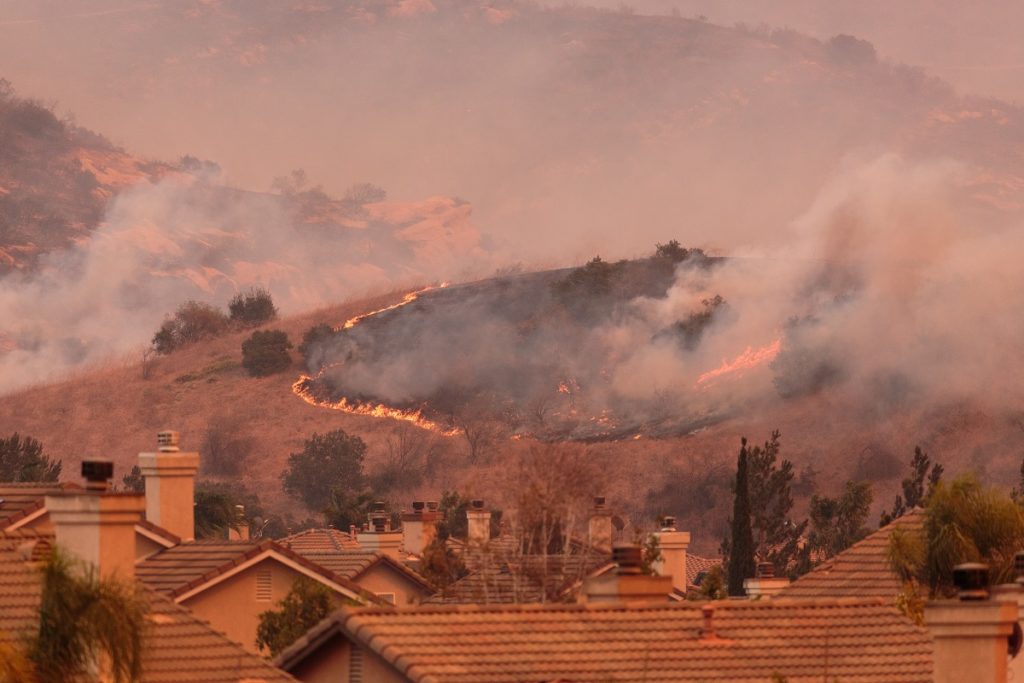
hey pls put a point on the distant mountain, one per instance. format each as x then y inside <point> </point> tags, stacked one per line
<point>571,131</point>
<point>56,180</point>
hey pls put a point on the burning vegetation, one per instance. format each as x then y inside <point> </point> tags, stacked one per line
<point>540,354</point>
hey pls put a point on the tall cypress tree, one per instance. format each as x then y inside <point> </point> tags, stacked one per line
<point>741,542</point>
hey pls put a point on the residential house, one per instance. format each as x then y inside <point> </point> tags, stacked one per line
<point>99,528</point>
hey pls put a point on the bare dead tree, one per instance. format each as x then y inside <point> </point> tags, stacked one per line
<point>408,451</point>
<point>148,355</point>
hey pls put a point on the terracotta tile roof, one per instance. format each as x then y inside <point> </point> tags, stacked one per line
<point>183,568</point>
<point>177,646</point>
<point>695,564</point>
<point>19,500</point>
<point>319,540</point>
<point>159,531</point>
<point>19,583</point>
<point>861,570</point>
<point>524,579</point>
<point>862,640</point>
<point>351,564</point>
<point>180,647</point>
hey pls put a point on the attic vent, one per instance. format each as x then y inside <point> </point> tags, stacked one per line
<point>355,666</point>
<point>263,585</point>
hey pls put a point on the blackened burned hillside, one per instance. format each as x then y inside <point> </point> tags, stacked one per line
<point>543,354</point>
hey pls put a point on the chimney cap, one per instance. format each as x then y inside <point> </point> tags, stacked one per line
<point>764,570</point>
<point>418,505</point>
<point>628,557</point>
<point>378,506</point>
<point>971,579</point>
<point>477,504</point>
<point>668,523</point>
<point>167,441</point>
<point>599,501</point>
<point>97,473</point>
<point>432,505</point>
<point>1018,566</point>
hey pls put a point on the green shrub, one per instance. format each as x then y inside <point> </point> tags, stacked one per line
<point>252,308</point>
<point>265,352</point>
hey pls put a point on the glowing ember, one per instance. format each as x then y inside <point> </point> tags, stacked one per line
<point>301,389</point>
<point>747,360</point>
<point>407,299</point>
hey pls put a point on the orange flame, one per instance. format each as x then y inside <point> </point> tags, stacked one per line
<point>301,386</point>
<point>301,389</point>
<point>750,358</point>
<point>406,300</point>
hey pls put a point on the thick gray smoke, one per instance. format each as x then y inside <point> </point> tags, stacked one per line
<point>192,238</point>
<point>890,299</point>
<point>571,132</point>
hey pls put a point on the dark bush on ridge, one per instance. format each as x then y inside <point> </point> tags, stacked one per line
<point>265,352</point>
<point>192,322</point>
<point>252,308</point>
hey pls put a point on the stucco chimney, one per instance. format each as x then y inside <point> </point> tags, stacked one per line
<point>764,584</point>
<point>419,527</point>
<point>96,525</point>
<point>673,545</point>
<point>600,529</point>
<point>170,486</point>
<point>378,535</point>
<point>971,634</point>
<point>479,523</point>
<point>627,581</point>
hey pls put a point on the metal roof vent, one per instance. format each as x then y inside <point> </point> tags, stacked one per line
<point>167,441</point>
<point>971,579</point>
<point>629,558</point>
<point>97,474</point>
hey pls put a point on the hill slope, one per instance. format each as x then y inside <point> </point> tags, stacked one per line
<point>114,412</point>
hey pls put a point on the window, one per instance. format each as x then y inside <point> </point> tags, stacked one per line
<point>263,585</point>
<point>387,597</point>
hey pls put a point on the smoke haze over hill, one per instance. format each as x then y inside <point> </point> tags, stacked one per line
<point>870,199</point>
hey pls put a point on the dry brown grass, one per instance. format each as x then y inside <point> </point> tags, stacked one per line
<point>112,412</point>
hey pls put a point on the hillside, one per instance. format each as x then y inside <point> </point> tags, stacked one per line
<point>114,412</point>
<point>56,180</point>
<point>560,126</point>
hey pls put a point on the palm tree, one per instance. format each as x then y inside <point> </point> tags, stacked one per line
<point>87,623</point>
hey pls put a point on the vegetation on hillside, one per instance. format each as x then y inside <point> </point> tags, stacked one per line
<point>252,308</point>
<point>265,352</point>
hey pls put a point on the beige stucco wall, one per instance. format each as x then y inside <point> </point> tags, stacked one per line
<point>145,546</point>
<point>381,578</point>
<point>231,606</point>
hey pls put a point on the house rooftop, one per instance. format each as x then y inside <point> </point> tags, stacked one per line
<point>189,566</point>
<point>863,640</point>
<point>351,564</point>
<point>177,645</point>
<point>861,570</point>
<point>19,500</point>
<point>319,540</point>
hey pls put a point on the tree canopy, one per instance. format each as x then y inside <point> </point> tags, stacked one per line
<point>306,604</point>
<point>329,465</point>
<point>22,460</point>
<point>964,521</point>
<point>85,619</point>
